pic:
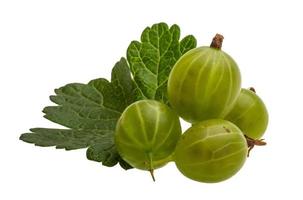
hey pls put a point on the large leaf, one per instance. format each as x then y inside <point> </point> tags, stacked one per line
<point>152,59</point>
<point>91,112</point>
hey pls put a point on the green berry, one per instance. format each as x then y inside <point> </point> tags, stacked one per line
<point>211,151</point>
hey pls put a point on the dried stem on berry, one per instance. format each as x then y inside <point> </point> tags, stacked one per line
<point>252,89</point>
<point>252,142</point>
<point>217,41</point>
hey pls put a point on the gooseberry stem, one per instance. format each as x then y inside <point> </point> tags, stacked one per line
<point>152,174</point>
<point>252,142</point>
<point>217,41</point>
<point>151,168</point>
<point>252,89</point>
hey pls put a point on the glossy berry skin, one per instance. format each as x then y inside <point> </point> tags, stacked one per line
<point>249,114</point>
<point>211,151</point>
<point>147,133</point>
<point>204,84</point>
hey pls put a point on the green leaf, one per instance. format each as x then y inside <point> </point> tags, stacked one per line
<point>152,59</point>
<point>91,112</point>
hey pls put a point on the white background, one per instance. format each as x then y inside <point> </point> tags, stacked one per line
<point>47,44</point>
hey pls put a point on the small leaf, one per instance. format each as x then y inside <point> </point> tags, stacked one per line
<point>152,59</point>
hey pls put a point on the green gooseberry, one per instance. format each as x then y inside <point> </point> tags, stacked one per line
<point>204,83</point>
<point>146,134</point>
<point>250,115</point>
<point>211,151</point>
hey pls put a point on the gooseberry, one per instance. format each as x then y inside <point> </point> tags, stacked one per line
<point>146,134</point>
<point>250,115</point>
<point>211,151</point>
<point>204,83</point>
